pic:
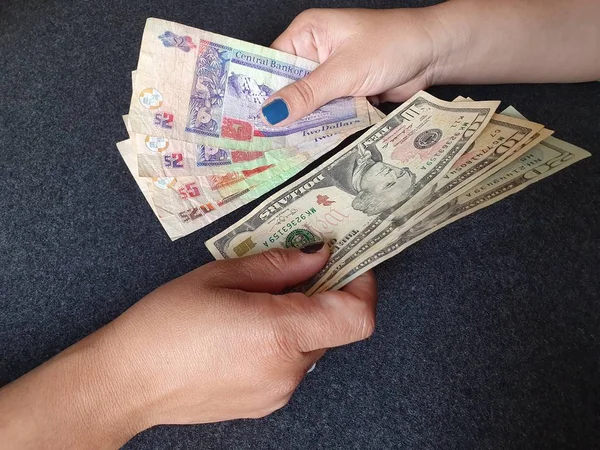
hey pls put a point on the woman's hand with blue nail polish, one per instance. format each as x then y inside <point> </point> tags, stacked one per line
<point>389,54</point>
<point>361,54</point>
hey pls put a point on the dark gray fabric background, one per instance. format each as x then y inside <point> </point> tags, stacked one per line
<point>488,331</point>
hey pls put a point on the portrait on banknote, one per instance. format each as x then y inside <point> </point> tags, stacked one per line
<point>376,185</point>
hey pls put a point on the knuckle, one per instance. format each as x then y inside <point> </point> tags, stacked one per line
<point>285,345</point>
<point>308,15</point>
<point>285,387</point>
<point>214,273</point>
<point>219,277</point>
<point>304,92</point>
<point>367,327</point>
<point>279,343</point>
<point>361,318</point>
<point>276,260</point>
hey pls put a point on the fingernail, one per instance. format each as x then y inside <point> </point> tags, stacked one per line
<point>313,247</point>
<point>276,111</point>
<point>311,368</point>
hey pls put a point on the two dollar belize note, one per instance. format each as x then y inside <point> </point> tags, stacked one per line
<point>198,147</point>
<point>428,164</point>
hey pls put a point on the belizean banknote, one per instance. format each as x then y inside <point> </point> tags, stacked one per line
<point>190,185</point>
<point>220,187</point>
<point>201,87</point>
<point>260,169</point>
<point>186,204</point>
<point>363,186</point>
<point>541,161</point>
<point>164,157</point>
<point>169,158</point>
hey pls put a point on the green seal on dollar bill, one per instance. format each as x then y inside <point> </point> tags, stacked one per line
<point>299,238</point>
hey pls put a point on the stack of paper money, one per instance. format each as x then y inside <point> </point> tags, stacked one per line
<point>428,164</point>
<point>198,146</point>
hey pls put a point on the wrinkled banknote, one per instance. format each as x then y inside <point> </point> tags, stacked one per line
<point>201,87</point>
<point>194,201</point>
<point>198,147</point>
<point>164,157</point>
<point>502,138</point>
<point>541,161</point>
<point>186,204</point>
<point>502,141</point>
<point>389,169</point>
<point>507,154</point>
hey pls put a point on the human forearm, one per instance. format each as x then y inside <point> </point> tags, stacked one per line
<point>79,399</point>
<point>209,346</point>
<point>514,41</point>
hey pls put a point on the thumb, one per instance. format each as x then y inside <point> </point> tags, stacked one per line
<point>271,271</point>
<point>329,81</point>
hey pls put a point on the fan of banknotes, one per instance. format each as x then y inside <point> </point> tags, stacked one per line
<point>428,164</point>
<point>199,149</point>
<point>198,146</point>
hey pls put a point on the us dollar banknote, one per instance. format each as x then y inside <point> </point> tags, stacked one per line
<point>201,87</point>
<point>502,141</point>
<point>539,162</point>
<point>388,169</point>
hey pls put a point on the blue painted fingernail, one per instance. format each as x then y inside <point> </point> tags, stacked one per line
<point>276,111</point>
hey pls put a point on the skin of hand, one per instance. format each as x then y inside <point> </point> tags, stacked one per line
<point>388,55</point>
<point>363,52</point>
<point>216,344</point>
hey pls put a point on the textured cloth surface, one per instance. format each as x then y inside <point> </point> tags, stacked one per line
<point>488,331</point>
